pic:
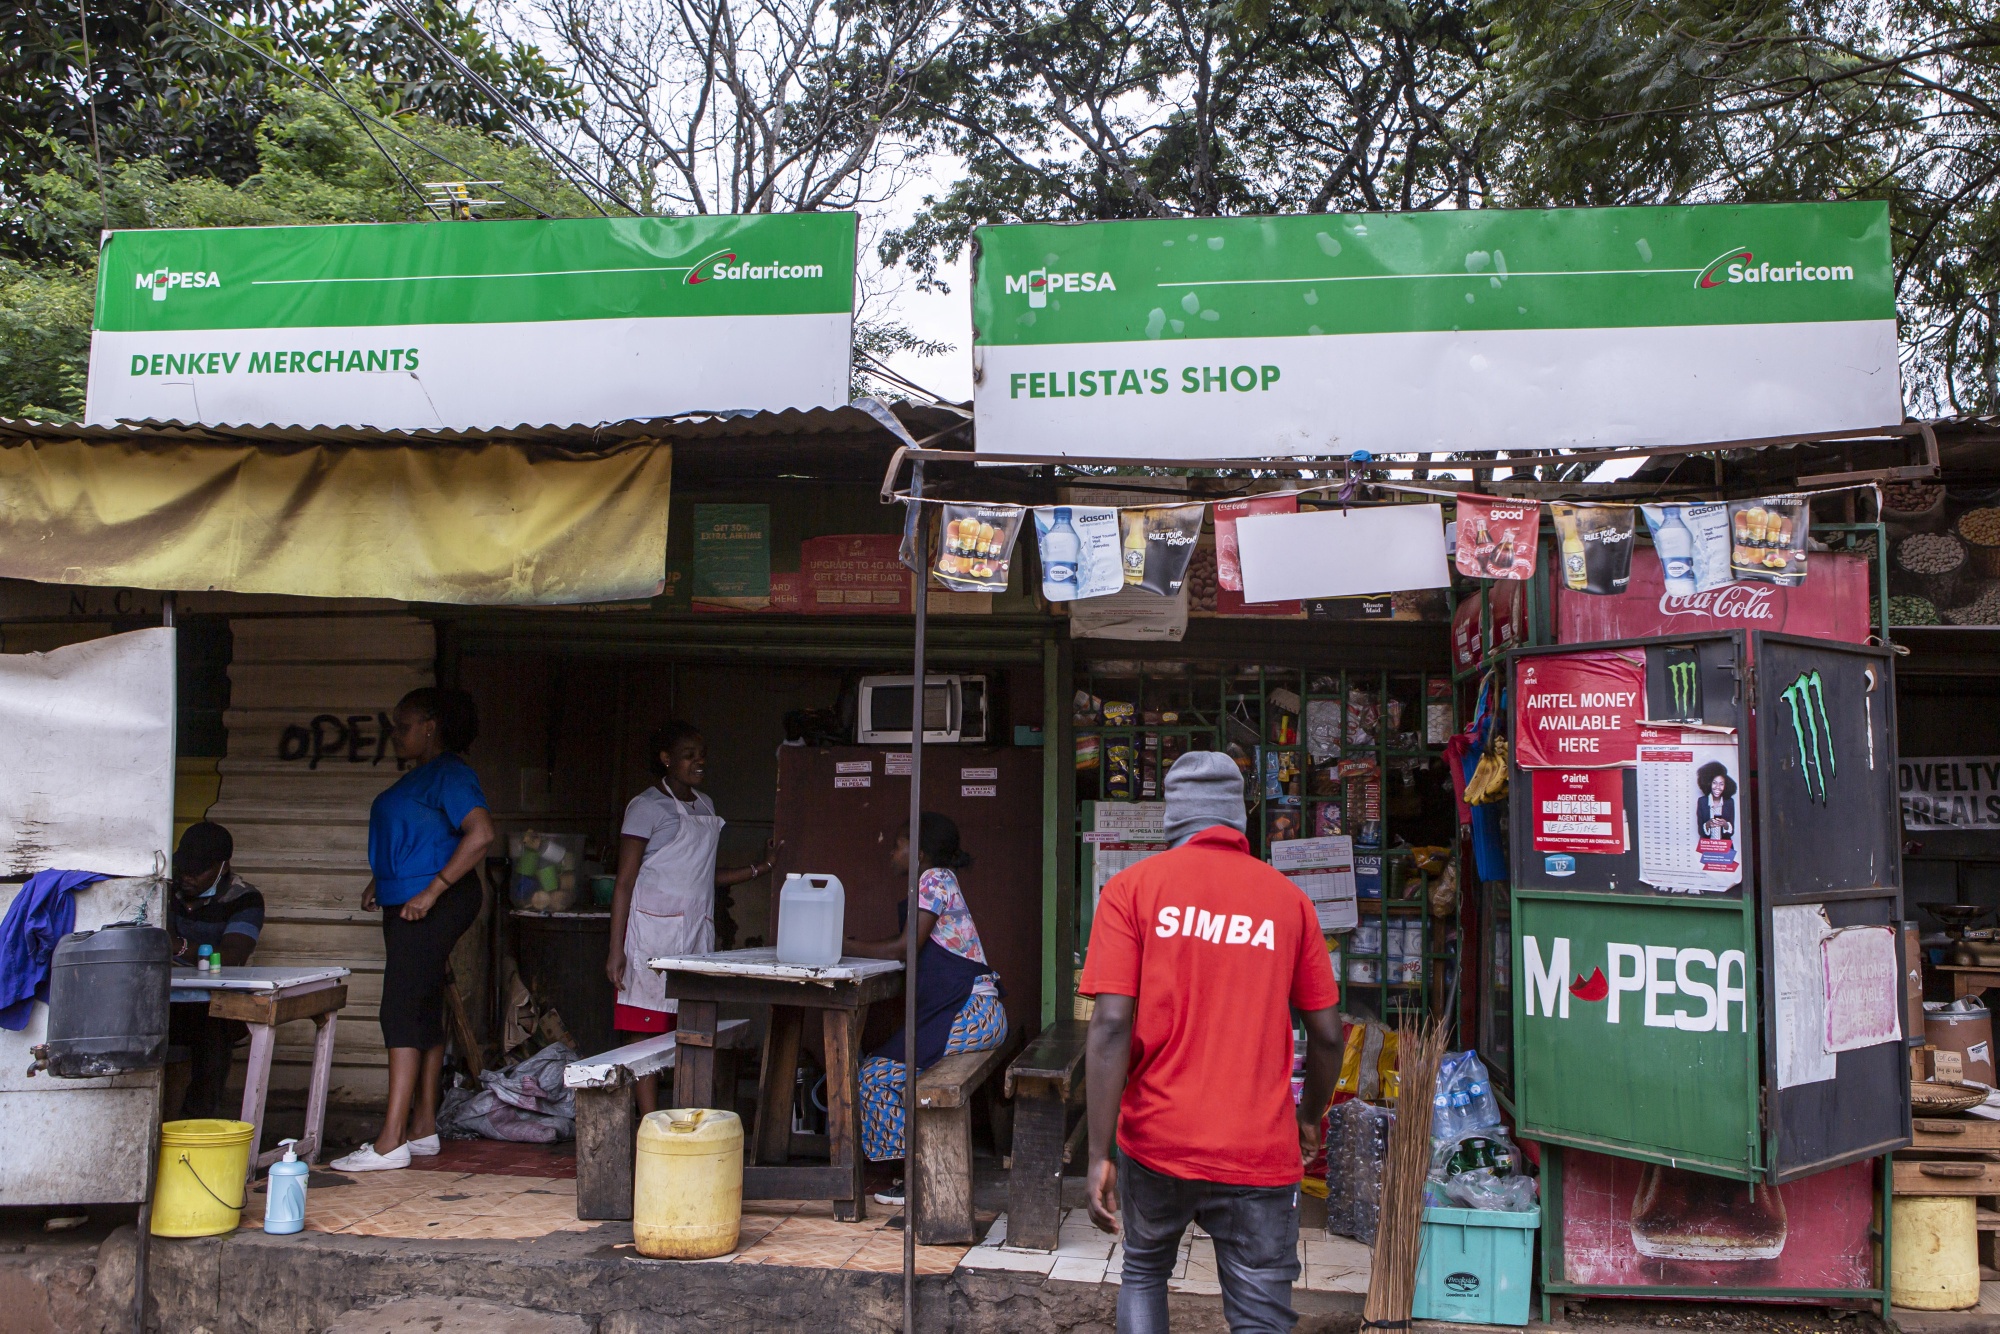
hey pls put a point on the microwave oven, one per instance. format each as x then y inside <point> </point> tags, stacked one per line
<point>955,709</point>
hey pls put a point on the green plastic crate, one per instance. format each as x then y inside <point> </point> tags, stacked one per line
<point>1476,1265</point>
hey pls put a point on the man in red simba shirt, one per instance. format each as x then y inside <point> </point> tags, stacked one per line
<point>1198,957</point>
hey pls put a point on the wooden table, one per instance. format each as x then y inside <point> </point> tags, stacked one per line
<point>841,994</point>
<point>265,998</point>
<point>1969,981</point>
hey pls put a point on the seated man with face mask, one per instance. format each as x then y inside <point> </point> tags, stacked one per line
<point>212,906</point>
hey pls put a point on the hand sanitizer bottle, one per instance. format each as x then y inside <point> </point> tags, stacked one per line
<point>285,1192</point>
<point>205,959</point>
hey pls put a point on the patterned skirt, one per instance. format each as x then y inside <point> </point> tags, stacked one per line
<point>981,1025</point>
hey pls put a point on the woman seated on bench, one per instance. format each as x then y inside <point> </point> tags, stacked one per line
<point>958,993</point>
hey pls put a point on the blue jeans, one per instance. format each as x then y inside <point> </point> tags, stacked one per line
<point>1256,1235</point>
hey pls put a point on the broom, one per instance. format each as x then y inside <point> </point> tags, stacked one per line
<point>1392,1279</point>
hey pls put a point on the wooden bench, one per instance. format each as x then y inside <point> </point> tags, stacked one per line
<point>607,1115</point>
<point>1046,1083</point>
<point>943,1168</point>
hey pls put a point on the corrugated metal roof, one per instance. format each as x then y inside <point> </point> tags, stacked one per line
<point>853,421</point>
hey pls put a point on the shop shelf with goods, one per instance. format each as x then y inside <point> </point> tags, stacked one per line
<point>1326,750</point>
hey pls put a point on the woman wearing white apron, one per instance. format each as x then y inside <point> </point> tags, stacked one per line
<point>665,898</point>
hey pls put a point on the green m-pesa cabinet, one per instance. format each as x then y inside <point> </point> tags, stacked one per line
<point>1697,827</point>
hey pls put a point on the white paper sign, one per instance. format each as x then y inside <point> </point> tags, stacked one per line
<point>1324,869</point>
<point>1864,987</point>
<point>896,764</point>
<point>1799,1017</point>
<point>1342,553</point>
<point>88,779</point>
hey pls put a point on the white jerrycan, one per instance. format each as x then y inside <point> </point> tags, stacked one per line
<point>812,914</point>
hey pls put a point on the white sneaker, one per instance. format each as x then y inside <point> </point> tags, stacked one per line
<point>365,1159</point>
<point>427,1147</point>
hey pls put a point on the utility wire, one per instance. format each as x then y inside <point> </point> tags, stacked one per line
<point>326,86</point>
<point>90,100</point>
<point>479,81</point>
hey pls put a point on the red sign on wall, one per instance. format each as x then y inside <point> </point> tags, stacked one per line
<point>1579,710</point>
<point>854,575</point>
<point>1831,604</point>
<point>1579,810</point>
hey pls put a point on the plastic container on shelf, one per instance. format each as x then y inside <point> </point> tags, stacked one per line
<point>548,870</point>
<point>1935,1261</point>
<point>1476,1266</point>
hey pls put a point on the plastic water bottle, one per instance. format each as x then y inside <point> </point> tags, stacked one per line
<point>285,1193</point>
<point>812,919</point>
<point>1061,548</point>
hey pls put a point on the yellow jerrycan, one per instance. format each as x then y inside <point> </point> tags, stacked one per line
<point>687,1188</point>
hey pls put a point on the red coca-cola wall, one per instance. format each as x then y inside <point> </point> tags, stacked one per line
<point>1824,1222</point>
<point>1831,604</point>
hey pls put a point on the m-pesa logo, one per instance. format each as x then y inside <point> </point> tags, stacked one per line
<point>1654,975</point>
<point>163,280</point>
<point>1038,283</point>
<point>723,266</point>
<point>1738,265</point>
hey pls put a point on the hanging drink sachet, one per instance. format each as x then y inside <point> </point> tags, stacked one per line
<point>976,547</point>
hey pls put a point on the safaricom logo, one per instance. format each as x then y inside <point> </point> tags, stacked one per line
<point>162,281</point>
<point>1038,283</point>
<point>722,266</point>
<point>1737,266</point>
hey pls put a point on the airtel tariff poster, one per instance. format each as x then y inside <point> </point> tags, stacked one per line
<point>1579,710</point>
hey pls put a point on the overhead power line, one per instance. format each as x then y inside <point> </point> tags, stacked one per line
<point>326,86</point>
<point>521,122</point>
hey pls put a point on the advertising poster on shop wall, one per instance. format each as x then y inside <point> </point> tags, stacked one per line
<point>1157,544</point>
<point>1496,538</point>
<point>1579,710</point>
<point>1595,545</point>
<point>1228,562</point>
<point>1692,542</point>
<point>1579,811</point>
<point>1691,804</point>
<point>976,547</point>
<point>1768,539</point>
<point>1079,550</point>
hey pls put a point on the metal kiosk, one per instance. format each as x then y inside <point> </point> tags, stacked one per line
<point>1707,961</point>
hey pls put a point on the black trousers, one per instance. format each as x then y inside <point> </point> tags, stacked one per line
<point>413,974</point>
<point>209,1041</point>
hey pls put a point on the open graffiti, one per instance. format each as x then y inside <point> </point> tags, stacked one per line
<point>1805,699</point>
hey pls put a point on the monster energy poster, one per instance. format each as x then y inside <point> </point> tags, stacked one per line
<point>1683,673</point>
<point>1812,731</point>
<point>1690,828</point>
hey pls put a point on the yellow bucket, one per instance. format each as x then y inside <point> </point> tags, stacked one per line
<point>204,1165</point>
<point>1936,1255</point>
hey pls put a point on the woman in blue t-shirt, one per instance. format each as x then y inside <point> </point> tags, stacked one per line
<point>426,834</point>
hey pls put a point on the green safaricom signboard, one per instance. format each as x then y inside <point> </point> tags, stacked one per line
<point>1472,330</point>
<point>472,325</point>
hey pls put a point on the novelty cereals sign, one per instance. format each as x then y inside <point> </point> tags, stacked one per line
<point>1468,330</point>
<point>472,325</point>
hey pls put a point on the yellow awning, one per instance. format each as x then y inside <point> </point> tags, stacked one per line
<point>493,523</point>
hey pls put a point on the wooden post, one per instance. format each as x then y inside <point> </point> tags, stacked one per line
<point>842,1030</point>
<point>774,1087</point>
<point>943,1199</point>
<point>607,1148</point>
<point>1034,1187</point>
<point>694,1055</point>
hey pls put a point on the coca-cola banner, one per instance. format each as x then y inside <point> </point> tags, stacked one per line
<point>1832,604</point>
<point>1496,538</point>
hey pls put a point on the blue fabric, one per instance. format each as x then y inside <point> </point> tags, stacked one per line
<point>40,915</point>
<point>1489,821</point>
<point>981,1025</point>
<point>414,826</point>
<point>944,981</point>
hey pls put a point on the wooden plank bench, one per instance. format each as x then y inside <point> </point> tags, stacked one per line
<point>1046,1083</point>
<point>607,1115</point>
<point>943,1168</point>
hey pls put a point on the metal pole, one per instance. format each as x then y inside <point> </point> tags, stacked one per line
<point>910,941</point>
